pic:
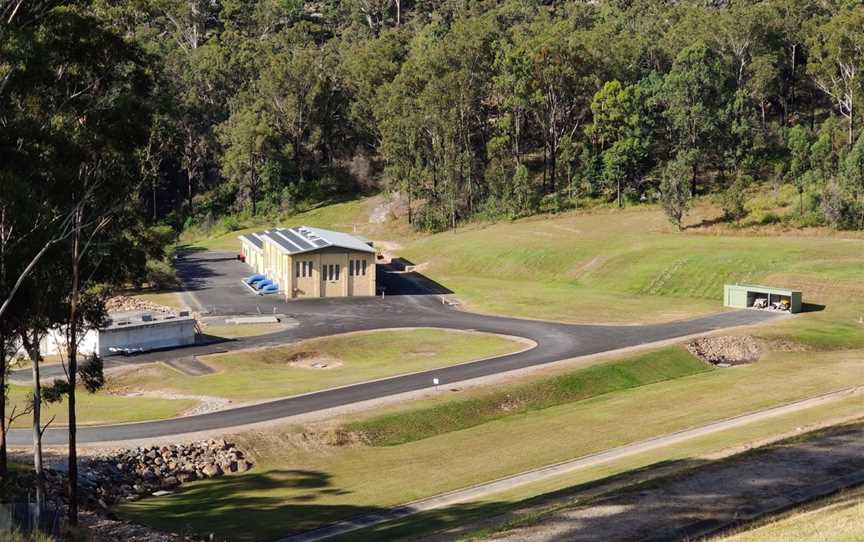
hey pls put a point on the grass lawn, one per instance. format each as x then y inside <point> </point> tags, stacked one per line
<point>101,408</point>
<point>270,373</point>
<point>298,485</point>
<point>840,519</point>
<point>625,266</point>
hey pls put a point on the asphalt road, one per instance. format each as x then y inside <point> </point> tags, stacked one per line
<point>213,282</point>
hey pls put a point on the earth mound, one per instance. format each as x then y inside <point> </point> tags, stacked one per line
<point>726,350</point>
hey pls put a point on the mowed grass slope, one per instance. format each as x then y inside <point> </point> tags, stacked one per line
<point>625,266</point>
<point>839,520</point>
<point>300,482</point>
<point>349,216</point>
<point>350,358</point>
<point>410,425</point>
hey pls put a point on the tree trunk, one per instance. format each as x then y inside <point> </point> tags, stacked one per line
<point>693,182</point>
<point>792,76</point>
<point>762,105</point>
<point>33,352</point>
<point>72,354</point>
<point>189,192</point>
<point>3,366</point>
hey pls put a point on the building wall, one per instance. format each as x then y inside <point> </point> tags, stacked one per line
<point>314,274</point>
<point>328,273</point>
<point>252,255</point>
<point>161,334</point>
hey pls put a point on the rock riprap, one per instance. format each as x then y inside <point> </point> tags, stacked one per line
<point>128,475</point>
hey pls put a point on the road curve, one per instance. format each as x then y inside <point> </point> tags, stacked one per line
<point>213,279</point>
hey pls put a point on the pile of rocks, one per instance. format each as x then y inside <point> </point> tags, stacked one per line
<point>726,350</point>
<point>122,303</point>
<point>129,475</point>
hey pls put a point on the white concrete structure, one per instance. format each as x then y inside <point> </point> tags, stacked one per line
<point>135,331</point>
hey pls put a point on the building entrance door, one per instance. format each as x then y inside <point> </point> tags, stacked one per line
<point>331,283</point>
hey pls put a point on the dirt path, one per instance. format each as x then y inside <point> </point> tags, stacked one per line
<point>475,492</point>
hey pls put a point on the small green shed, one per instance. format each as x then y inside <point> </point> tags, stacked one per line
<point>746,296</point>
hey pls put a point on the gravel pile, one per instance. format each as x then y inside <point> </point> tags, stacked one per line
<point>122,303</point>
<point>726,350</point>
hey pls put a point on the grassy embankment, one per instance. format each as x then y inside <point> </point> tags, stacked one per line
<point>609,266</point>
<point>350,216</point>
<point>270,373</point>
<point>837,519</point>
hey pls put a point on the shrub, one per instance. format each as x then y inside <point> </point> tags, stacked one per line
<point>161,275</point>
<point>838,207</point>
<point>734,198</point>
<point>231,223</point>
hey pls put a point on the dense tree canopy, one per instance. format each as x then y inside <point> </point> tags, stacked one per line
<point>485,107</point>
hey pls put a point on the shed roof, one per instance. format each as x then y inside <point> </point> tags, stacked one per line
<point>253,238</point>
<point>765,289</point>
<point>298,240</point>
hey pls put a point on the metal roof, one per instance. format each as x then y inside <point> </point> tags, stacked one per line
<point>765,289</point>
<point>302,239</point>
<point>253,238</point>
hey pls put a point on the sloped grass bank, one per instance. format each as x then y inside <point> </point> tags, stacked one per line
<point>300,484</point>
<point>839,518</point>
<point>402,427</point>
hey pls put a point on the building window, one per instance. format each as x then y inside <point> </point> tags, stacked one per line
<point>337,271</point>
<point>297,269</point>
<point>364,267</point>
<point>350,268</point>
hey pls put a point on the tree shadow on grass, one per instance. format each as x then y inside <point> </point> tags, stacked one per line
<point>247,506</point>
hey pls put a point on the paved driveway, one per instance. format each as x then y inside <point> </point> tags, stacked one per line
<point>213,281</point>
